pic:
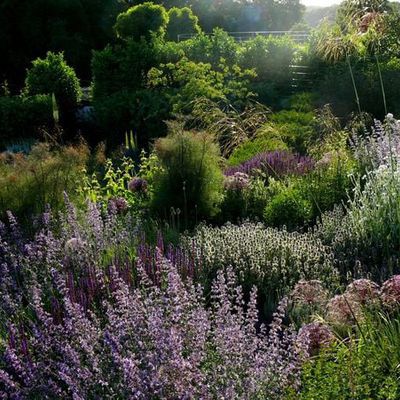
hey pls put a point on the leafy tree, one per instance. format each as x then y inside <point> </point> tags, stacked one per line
<point>182,20</point>
<point>53,75</point>
<point>122,98</point>
<point>30,28</point>
<point>141,21</point>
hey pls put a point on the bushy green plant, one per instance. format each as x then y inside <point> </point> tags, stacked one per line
<point>141,21</point>
<point>302,102</point>
<point>296,128</point>
<point>289,207</point>
<point>185,81</point>
<point>262,143</point>
<point>117,182</point>
<point>270,56</point>
<point>52,75</point>
<point>191,179</point>
<point>182,21</point>
<point>29,183</point>
<point>366,366</point>
<point>211,49</point>
<point>122,98</point>
<point>330,183</point>
<point>23,116</point>
<point>244,198</point>
<point>273,260</point>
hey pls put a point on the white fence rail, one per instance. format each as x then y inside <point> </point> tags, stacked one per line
<point>297,36</point>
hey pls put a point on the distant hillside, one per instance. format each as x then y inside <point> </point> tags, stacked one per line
<point>315,15</point>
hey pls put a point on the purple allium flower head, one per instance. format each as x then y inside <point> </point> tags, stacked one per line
<point>119,204</point>
<point>390,292</point>
<point>314,337</point>
<point>363,290</point>
<point>73,245</point>
<point>343,310</point>
<point>237,181</point>
<point>307,293</point>
<point>275,164</point>
<point>138,185</point>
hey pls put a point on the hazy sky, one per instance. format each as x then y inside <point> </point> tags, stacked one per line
<point>322,3</point>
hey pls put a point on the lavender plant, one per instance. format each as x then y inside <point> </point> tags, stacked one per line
<point>365,235</point>
<point>148,342</point>
<point>274,164</point>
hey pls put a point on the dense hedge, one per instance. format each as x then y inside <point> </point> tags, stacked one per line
<point>22,116</point>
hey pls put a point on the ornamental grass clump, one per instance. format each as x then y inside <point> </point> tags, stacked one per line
<point>274,260</point>
<point>190,179</point>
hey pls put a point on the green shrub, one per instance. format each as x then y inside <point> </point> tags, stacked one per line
<point>330,183</point>
<point>261,144</point>
<point>296,128</point>
<point>29,183</point>
<point>289,208</point>
<point>182,21</point>
<point>271,57</point>
<point>302,102</point>
<point>122,96</point>
<point>141,21</point>
<point>245,198</point>
<point>191,180</point>
<point>53,75</point>
<point>23,116</point>
<point>211,49</point>
<point>185,81</point>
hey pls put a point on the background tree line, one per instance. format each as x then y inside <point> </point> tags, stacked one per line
<point>28,29</point>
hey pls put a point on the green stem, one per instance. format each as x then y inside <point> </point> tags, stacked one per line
<point>382,85</point>
<point>354,85</point>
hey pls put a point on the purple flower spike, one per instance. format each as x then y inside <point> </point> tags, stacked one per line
<point>274,164</point>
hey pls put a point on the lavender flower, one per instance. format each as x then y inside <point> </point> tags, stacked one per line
<point>98,325</point>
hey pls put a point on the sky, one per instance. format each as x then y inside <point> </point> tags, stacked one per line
<point>322,3</point>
